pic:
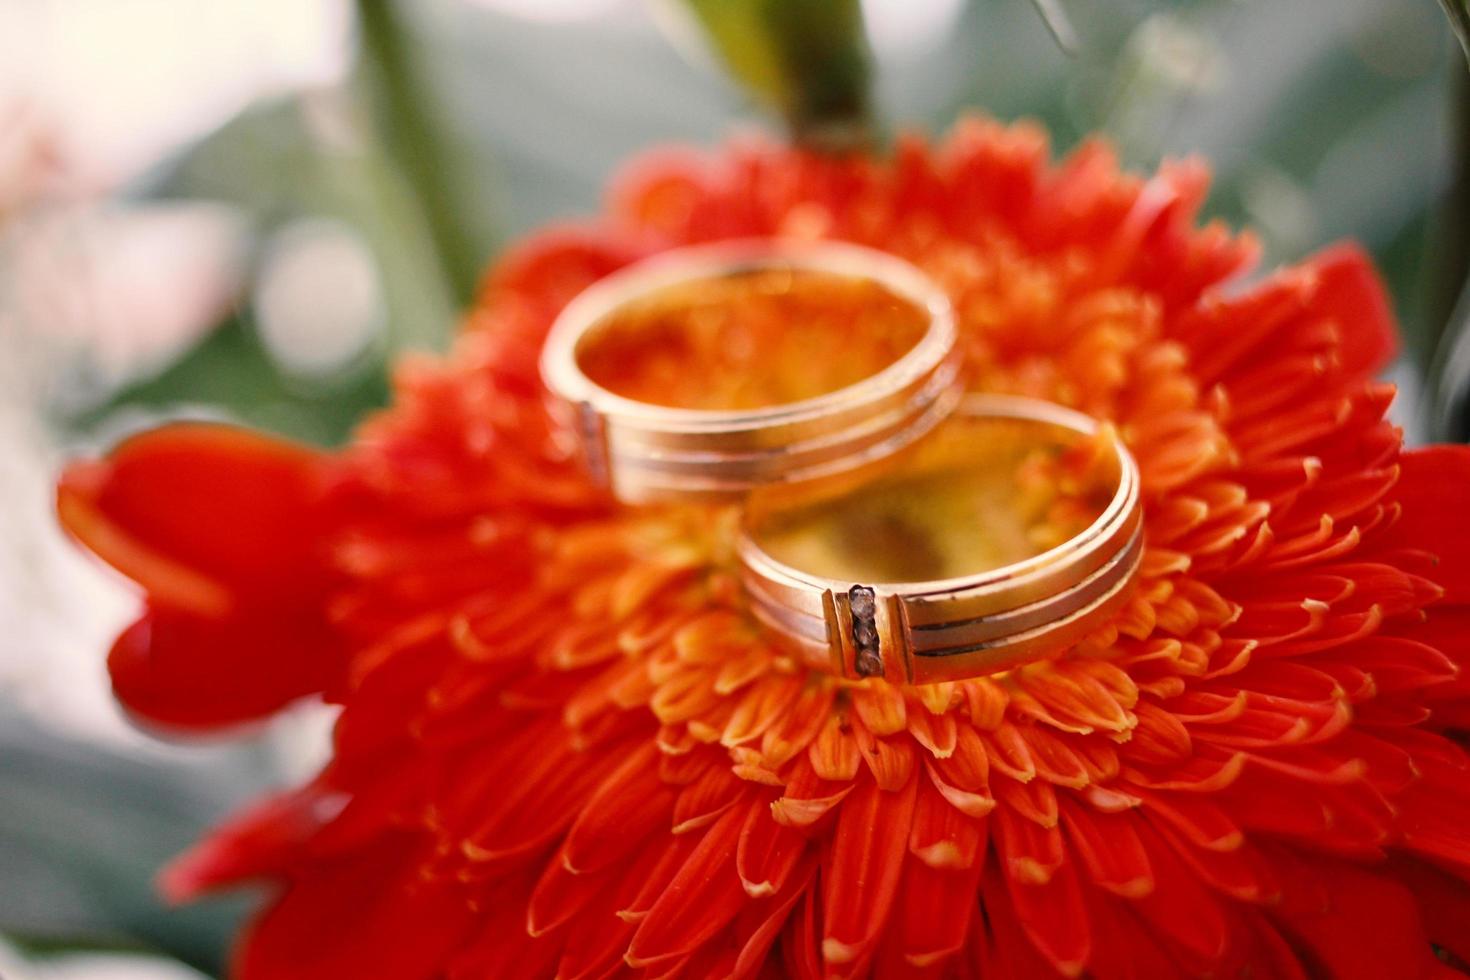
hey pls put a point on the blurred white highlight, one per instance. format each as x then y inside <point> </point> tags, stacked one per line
<point>318,300</point>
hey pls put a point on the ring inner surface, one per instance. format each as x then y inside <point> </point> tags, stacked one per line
<point>751,339</point>
<point>977,494</point>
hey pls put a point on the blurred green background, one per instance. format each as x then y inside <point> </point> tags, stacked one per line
<point>246,209</point>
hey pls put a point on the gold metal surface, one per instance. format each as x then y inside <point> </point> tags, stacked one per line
<point>1003,536</point>
<point>706,371</point>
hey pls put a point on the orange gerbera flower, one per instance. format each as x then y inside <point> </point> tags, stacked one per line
<point>565,749</point>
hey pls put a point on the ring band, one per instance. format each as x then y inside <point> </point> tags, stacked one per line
<point>646,452</point>
<point>947,629</point>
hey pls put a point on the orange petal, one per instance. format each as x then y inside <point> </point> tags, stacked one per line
<point>808,797</point>
<point>890,760</point>
<point>863,872</point>
<point>702,898</point>
<point>1181,913</point>
<point>515,818</point>
<point>559,895</point>
<point>702,801</point>
<point>935,909</point>
<point>936,733</point>
<point>799,726</point>
<point>834,752</point>
<point>766,853</point>
<point>975,803</point>
<point>761,923</point>
<point>944,836</point>
<point>880,707</point>
<point>1110,850</point>
<point>631,803</point>
<point>1054,918</point>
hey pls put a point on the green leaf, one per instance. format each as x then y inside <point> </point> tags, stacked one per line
<point>83,830</point>
<point>230,372</point>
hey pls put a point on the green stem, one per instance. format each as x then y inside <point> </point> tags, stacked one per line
<point>414,142</point>
<point>807,59</point>
<point>1452,244</point>
<point>1458,11</point>
<point>1449,301</point>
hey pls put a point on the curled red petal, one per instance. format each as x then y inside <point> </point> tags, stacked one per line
<point>264,841</point>
<point>224,529</point>
<point>203,516</point>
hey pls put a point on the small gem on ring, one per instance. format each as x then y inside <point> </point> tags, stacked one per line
<point>867,660</point>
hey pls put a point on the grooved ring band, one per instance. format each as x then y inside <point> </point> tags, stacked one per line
<point>647,453</point>
<point>922,632</point>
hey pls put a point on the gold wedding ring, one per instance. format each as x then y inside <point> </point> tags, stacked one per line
<point>893,526</point>
<point>704,372</point>
<point>1002,538</point>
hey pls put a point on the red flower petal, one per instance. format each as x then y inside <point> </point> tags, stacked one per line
<point>934,911</point>
<point>868,853</point>
<point>631,804</point>
<point>544,686</point>
<point>1432,494</point>
<point>202,515</point>
<point>309,934</point>
<point>222,528</point>
<point>265,840</point>
<point>702,898</point>
<point>1333,303</point>
<point>187,671</point>
<point>767,853</point>
<point>1443,903</point>
<point>1358,925</point>
<point>1351,293</point>
<point>501,946</point>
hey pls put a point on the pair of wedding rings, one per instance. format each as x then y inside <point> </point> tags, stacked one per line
<point>893,526</point>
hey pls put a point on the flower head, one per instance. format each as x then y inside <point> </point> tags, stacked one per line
<point>566,749</point>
